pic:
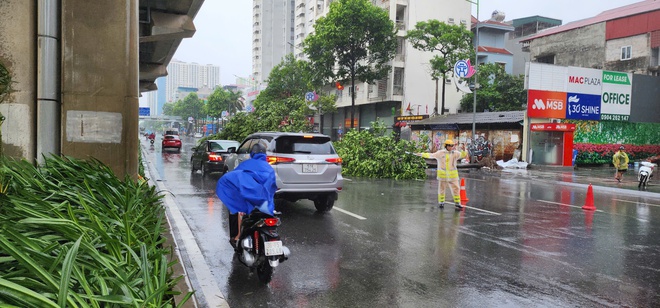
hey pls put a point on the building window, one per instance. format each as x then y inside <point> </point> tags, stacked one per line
<point>549,59</point>
<point>626,53</point>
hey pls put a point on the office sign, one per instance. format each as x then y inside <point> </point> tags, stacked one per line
<point>616,96</point>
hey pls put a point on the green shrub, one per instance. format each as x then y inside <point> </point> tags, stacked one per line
<point>371,153</point>
<point>73,235</point>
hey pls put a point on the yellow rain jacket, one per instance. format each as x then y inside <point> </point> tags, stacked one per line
<point>620,160</point>
<point>447,162</point>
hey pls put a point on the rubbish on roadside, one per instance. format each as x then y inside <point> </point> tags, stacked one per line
<point>512,164</point>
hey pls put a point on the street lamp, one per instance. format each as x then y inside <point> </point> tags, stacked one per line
<point>476,68</point>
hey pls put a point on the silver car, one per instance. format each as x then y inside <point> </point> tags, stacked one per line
<point>306,165</point>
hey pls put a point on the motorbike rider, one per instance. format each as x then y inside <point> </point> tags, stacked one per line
<point>152,136</point>
<point>251,185</point>
<point>447,173</point>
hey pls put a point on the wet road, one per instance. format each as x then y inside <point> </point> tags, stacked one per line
<point>523,241</point>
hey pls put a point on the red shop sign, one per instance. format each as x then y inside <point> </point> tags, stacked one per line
<point>553,127</point>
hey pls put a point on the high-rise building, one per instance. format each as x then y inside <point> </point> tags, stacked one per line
<point>189,75</point>
<point>408,89</point>
<point>272,36</point>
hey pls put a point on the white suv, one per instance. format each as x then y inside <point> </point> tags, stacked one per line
<point>306,165</point>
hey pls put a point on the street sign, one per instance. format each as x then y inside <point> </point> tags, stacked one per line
<point>144,111</point>
<point>309,96</point>
<point>463,69</point>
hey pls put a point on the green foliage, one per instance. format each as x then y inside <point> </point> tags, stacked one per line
<point>5,83</point>
<point>589,153</point>
<point>281,106</point>
<point>452,42</point>
<point>355,41</point>
<point>190,106</point>
<point>5,89</point>
<point>498,91</point>
<point>74,235</point>
<point>371,153</point>
<point>449,43</point>
<point>222,100</point>
<point>605,132</point>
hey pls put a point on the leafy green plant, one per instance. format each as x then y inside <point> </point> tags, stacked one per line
<point>74,235</point>
<point>5,89</point>
<point>372,153</point>
<point>589,153</point>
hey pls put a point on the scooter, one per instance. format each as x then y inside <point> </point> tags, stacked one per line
<point>259,246</point>
<point>645,172</point>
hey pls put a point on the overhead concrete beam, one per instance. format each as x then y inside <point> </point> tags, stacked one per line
<point>149,71</point>
<point>166,26</point>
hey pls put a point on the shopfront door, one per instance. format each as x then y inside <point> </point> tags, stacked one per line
<point>547,147</point>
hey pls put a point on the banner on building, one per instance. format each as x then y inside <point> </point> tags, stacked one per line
<point>577,93</point>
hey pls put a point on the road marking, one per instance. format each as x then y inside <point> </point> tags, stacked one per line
<point>349,213</point>
<point>575,206</point>
<point>597,210</point>
<point>636,202</point>
<point>478,209</point>
<point>209,289</point>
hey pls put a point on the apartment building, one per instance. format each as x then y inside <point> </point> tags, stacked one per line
<point>408,84</point>
<point>272,35</point>
<point>189,75</point>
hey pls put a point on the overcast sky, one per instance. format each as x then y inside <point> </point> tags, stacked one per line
<point>224,28</point>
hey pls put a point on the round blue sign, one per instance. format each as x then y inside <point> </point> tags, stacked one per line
<point>461,69</point>
<point>309,96</point>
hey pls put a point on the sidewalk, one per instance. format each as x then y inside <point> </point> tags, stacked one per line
<point>596,176</point>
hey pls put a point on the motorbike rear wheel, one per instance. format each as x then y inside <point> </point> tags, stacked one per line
<point>642,180</point>
<point>264,272</point>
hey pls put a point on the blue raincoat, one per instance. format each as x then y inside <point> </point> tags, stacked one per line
<point>251,185</point>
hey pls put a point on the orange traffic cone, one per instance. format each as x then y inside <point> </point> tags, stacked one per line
<point>589,202</point>
<point>463,195</point>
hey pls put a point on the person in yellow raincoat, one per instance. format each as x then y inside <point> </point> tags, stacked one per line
<point>447,173</point>
<point>620,162</point>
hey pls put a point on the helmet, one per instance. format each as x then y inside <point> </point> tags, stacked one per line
<point>257,148</point>
<point>622,148</point>
<point>449,142</point>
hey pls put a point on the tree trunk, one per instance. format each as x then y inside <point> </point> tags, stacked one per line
<point>436,96</point>
<point>353,103</point>
<point>444,84</point>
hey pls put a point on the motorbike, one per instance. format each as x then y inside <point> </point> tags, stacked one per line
<point>152,139</point>
<point>645,172</point>
<point>259,246</point>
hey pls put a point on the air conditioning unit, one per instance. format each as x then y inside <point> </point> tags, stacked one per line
<point>450,21</point>
<point>463,21</point>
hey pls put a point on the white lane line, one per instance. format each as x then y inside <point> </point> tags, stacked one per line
<point>564,204</point>
<point>478,209</point>
<point>636,202</point>
<point>597,210</point>
<point>209,289</point>
<point>349,213</point>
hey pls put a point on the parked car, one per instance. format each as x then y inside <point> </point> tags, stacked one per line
<point>171,142</point>
<point>209,155</point>
<point>307,166</point>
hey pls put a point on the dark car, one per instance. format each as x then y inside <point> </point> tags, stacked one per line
<point>210,155</point>
<point>171,142</point>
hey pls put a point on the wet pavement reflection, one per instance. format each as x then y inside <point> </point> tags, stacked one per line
<point>523,241</point>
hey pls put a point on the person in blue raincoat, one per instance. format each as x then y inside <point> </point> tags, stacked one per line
<point>251,185</point>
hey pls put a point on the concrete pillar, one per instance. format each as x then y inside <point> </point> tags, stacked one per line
<point>100,82</point>
<point>18,54</point>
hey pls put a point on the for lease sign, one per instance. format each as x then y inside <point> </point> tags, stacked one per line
<point>615,98</point>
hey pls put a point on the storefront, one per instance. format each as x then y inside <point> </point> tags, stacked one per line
<point>551,144</point>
